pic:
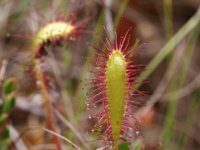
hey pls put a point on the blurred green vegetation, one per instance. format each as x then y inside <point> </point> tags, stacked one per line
<point>174,61</point>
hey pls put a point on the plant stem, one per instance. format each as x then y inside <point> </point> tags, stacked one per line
<point>169,47</point>
<point>168,18</point>
<point>40,75</point>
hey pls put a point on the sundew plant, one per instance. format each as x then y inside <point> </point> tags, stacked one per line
<point>99,75</point>
<point>115,75</point>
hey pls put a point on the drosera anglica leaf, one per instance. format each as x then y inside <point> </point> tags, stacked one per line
<point>112,87</point>
<point>52,33</point>
<point>116,91</point>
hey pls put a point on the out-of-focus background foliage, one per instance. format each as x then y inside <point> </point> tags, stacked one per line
<point>168,34</point>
